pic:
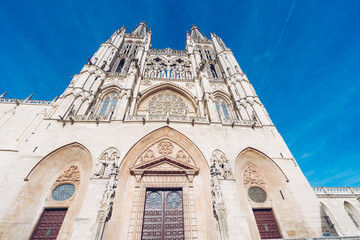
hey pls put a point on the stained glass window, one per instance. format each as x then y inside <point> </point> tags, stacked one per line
<point>109,104</point>
<point>222,108</point>
<point>167,102</point>
<point>63,192</point>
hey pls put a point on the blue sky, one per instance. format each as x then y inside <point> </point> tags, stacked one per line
<point>303,58</point>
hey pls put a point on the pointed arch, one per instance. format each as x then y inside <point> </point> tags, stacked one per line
<point>328,221</point>
<point>36,193</point>
<point>163,167</point>
<point>353,214</point>
<point>262,156</point>
<point>45,159</point>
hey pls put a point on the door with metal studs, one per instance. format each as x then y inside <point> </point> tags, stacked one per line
<point>163,215</point>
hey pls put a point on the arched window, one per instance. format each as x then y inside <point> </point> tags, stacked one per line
<point>222,109</point>
<point>109,104</point>
<point>213,71</point>
<point>120,66</point>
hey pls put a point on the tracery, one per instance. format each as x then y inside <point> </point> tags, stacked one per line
<point>164,103</point>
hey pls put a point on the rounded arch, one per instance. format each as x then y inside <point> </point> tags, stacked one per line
<point>130,187</point>
<point>35,194</point>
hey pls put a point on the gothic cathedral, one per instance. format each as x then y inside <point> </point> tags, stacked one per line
<point>155,144</point>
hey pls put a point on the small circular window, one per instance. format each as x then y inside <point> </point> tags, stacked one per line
<point>257,194</point>
<point>63,192</point>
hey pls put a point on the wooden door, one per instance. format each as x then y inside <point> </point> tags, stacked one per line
<point>49,224</point>
<point>266,223</point>
<point>163,215</point>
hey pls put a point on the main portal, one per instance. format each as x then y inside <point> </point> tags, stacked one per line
<point>163,215</point>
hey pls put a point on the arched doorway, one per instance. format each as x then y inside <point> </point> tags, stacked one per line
<point>163,191</point>
<point>69,168</point>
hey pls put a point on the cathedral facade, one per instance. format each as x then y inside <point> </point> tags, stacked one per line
<point>157,144</point>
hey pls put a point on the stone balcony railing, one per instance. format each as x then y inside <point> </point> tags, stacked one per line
<point>337,191</point>
<point>88,118</point>
<point>165,118</point>
<point>19,101</point>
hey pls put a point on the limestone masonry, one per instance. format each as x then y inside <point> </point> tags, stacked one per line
<point>158,144</point>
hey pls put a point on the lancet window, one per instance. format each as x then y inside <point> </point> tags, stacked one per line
<point>213,71</point>
<point>222,108</point>
<point>109,104</point>
<point>120,66</point>
<point>127,49</point>
<point>208,54</point>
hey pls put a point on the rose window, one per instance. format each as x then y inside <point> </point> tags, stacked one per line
<point>166,102</point>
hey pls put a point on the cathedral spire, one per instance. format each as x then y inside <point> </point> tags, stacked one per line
<point>140,30</point>
<point>196,34</point>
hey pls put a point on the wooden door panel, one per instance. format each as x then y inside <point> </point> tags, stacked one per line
<point>49,224</point>
<point>163,215</point>
<point>266,223</point>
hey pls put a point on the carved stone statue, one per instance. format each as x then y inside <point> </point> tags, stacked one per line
<point>221,164</point>
<point>106,205</point>
<point>108,160</point>
<point>100,168</point>
<point>219,207</point>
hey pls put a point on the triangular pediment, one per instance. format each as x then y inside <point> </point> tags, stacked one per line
<point>164,166</point>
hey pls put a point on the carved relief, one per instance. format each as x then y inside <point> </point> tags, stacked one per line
<point>220,165</point>
<point>108,160</point>
<point>164,147</point>
<point>182,156</point>
<point>71,174</point>
<point>252,177</point>
<point>106,204</point>
<point>219,207</point>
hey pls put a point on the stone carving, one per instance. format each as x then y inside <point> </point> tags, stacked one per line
<point>149,155</point>
<point>252,177</point>
<point>220,165</point>
<point>181,156</point>
<point>146,82</point>
<point>219,207</point>
<point>107,161</point>
<point>165,147</point>
<point>106,204</point>
<point>71,174</point>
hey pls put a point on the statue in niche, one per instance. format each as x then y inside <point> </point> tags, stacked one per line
<point>188,75</point>
<point>100,168</point>
<point>107,162</point>
<point>163,73</point>
<point>146,73</point>
<point>172,74</point>
<point>221,164</point>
